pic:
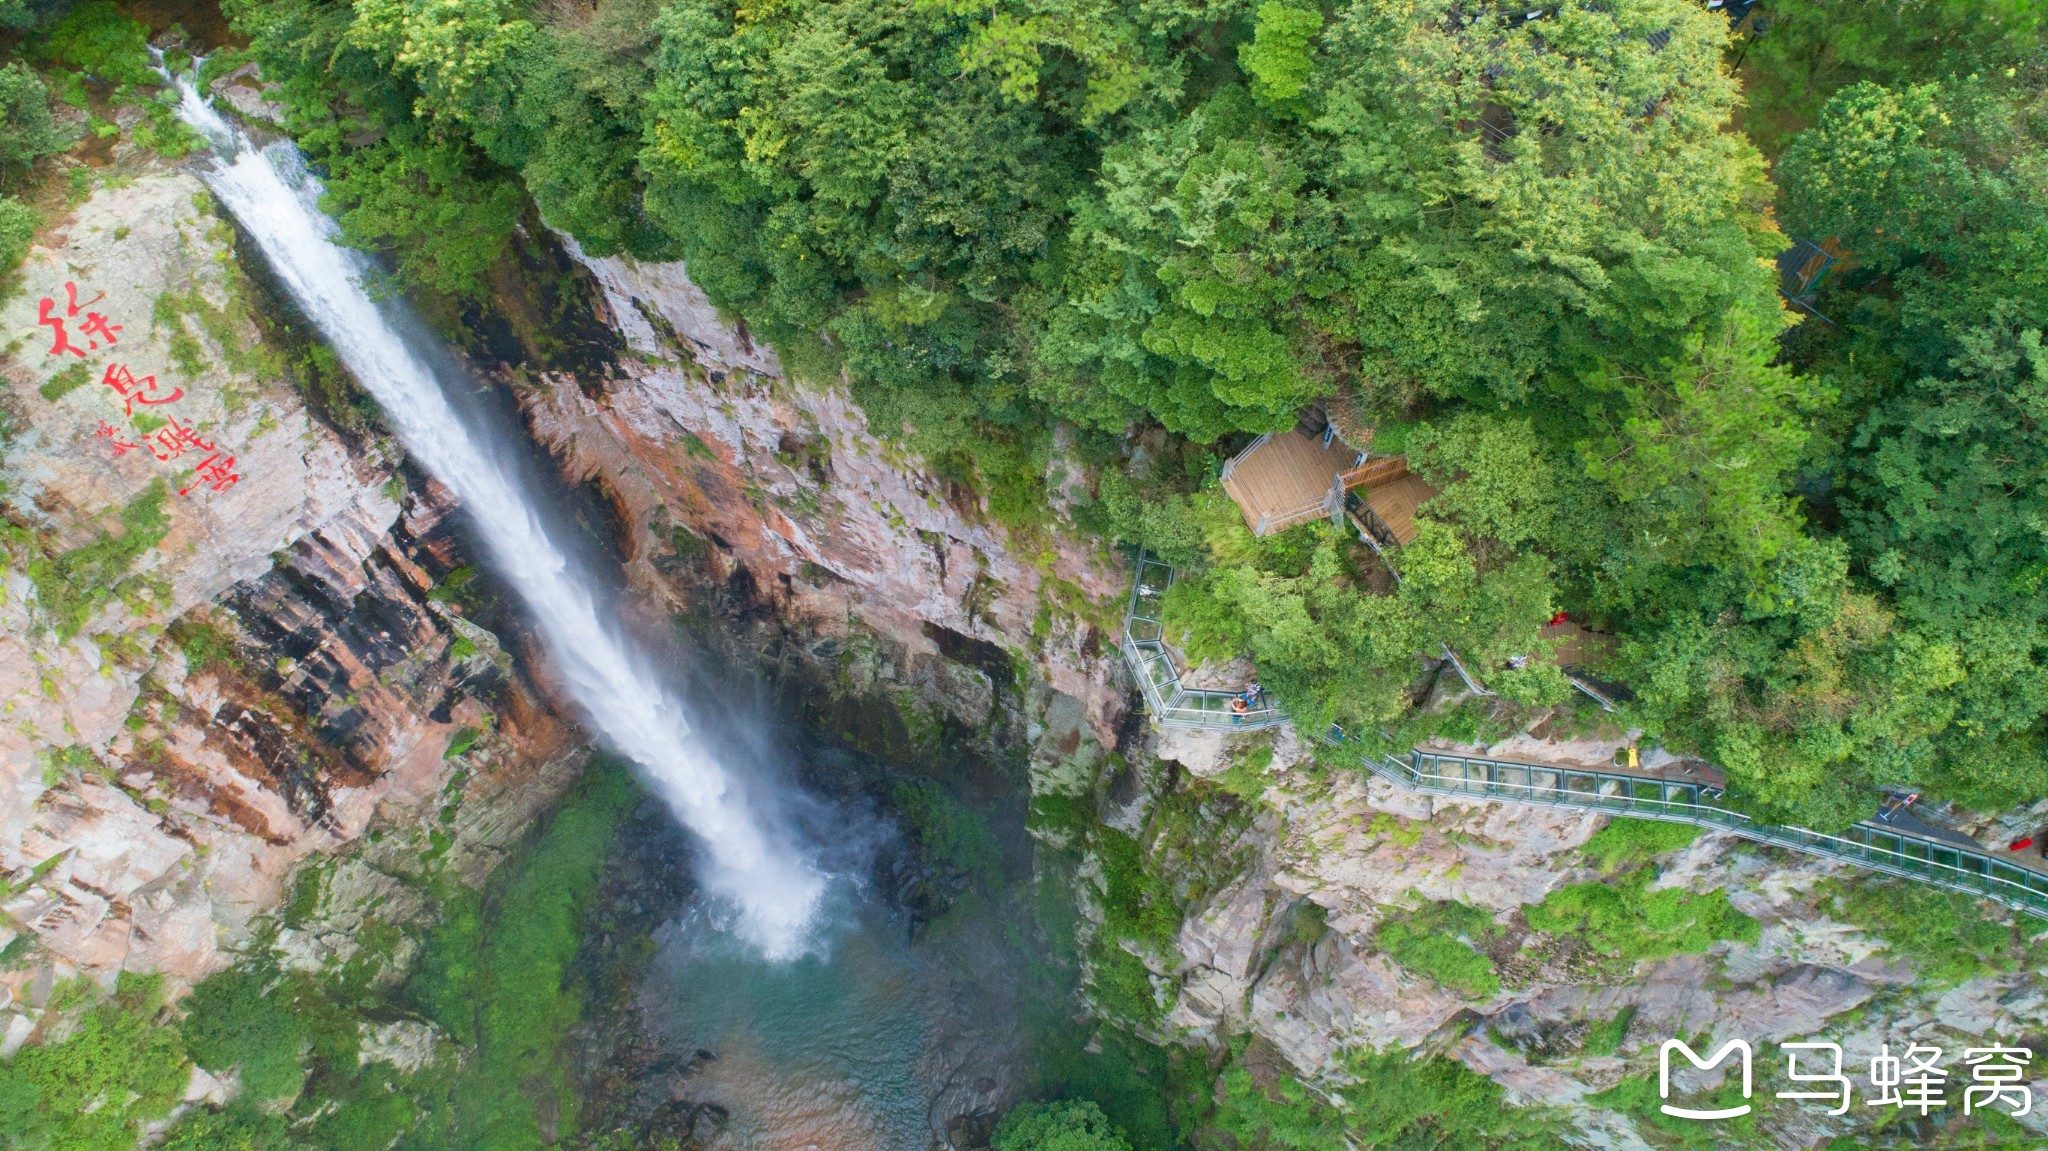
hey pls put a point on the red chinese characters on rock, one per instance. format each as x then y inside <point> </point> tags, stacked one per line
<point>108,431</point>
<point>133,391</point>
<point>216,471</point>
<point>174,441</point>
<point>94,328</point>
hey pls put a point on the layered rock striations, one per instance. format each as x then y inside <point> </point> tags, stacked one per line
<point>882,573</point>
<point>228,644</point>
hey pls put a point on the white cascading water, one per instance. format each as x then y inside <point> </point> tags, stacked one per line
<point>774,887</point>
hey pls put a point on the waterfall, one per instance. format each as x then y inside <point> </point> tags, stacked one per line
<point>751,860</point>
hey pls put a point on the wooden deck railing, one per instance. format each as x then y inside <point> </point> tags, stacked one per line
<point>1230,465</point>
<point>1378,470</point>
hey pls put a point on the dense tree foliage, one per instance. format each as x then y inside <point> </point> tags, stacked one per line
<point>1531,250</point>
<point>28,132</point>
<point>1939,452</point>
<point>1073,1126</point>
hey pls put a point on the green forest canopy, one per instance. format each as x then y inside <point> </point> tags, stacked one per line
<point>1534,246</point>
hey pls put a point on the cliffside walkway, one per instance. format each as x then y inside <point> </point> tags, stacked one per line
<point>1159,678</point>
<point>1906,848</point>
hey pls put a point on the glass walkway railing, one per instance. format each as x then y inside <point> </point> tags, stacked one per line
<point>1152,665</point>
<point>1872,844</point>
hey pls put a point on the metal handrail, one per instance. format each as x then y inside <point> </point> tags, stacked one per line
<point>1153,665</point>
<point>1273,521</point>
<point>1585,686</point>
<point>1463,674</point>
<point>1871,844</point>
<point>1372,529</point>
<point>1230,465</point>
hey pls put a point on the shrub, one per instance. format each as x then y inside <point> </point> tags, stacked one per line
<point>1121,985</point>
<point>1604,1037</point>
<point>93,1090</point>
<point>235,1020</point>
<point>1136,905</point>
<point>1626,844</point>
<point>18,224</point>
<point>1437,940</point>
<point>1069,1126</point>
<point>1392,1101</point>
<point>27,130</point>
<point>102,41</point>
<point>65,380</point>
<point>1947,936</point>
<point>1624,919</point>
<point>71,586</point>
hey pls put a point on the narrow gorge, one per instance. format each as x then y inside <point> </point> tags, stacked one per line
<point>509,646</point>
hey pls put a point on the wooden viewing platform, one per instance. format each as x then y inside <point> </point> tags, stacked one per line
<point>1286,479</point>
<point>1290,478</point>
<point>1395,503</point>
<point>1577,647</point>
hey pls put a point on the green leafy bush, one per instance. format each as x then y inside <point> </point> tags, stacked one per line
<point>1947,936</point>
<point>18,223</point>
<point>1070,1126</point>
<point>1440,941</point>
<point>1391,1101</point>
<point>246,1019</point>
<point>93,1090</point>
<point>1121,985</point>
<point>1136,904</point>
<point>1605,1036</point>
<point>66,380</point>
<point>71,586</point>
<point>28,132</point>
<point>99,39</point>
<point>1626,844</point>
<point>1622,918</point>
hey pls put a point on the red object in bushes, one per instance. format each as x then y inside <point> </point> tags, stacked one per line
<point>1560,617</point>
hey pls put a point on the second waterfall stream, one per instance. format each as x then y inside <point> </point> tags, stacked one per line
<point>751,859</point>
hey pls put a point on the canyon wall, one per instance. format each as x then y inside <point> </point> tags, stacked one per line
<point>207,682</point>
<point>715,461</point>
<point>843,541</point>
<point>226,645</point>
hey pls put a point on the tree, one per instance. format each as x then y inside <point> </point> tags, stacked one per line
<point>28,132</point>
<point>1936,190</point>
<point>17,231</point>
<point>1063,1126</point>
<point>1812,49</point>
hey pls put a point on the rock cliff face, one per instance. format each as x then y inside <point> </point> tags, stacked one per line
<point>223,644</point>
<point>207,681</point>
<point>237,633</point>
<point>882,575</point>
<point>862,562</point>
<point>1366,853</point>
